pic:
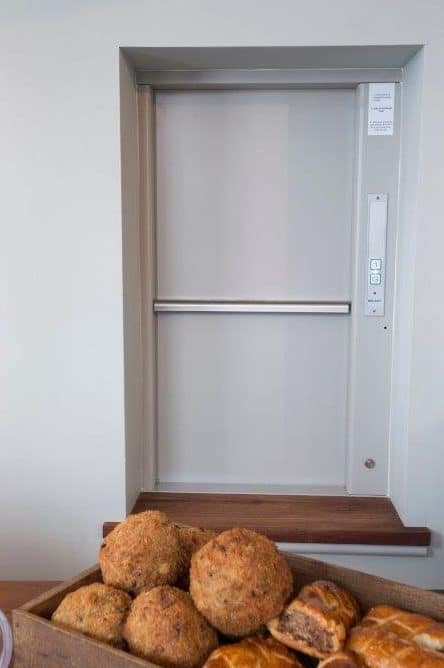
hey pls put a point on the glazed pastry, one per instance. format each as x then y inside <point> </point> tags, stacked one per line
<point>253,653</point>
<point>422,630</point>
<point>376,648</point>
<point>317,621</point>
<point>330,596</point>
<point>339,660</point>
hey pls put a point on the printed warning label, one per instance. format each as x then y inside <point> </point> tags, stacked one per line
<point>381,107</point>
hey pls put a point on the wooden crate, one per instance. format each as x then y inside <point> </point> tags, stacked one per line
<point>39,643</point>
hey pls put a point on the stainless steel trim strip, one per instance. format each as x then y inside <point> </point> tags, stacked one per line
<point>265,78</point>
<point>358,550</point>
<point>181,306</point>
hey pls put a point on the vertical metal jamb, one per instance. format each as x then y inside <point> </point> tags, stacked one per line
<point>371,337</point>
<point>148,281</point>
<point>360,117</point>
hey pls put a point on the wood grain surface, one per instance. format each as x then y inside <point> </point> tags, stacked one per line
<point>14,593</point>
<point>41,644</point>
<point>290,518</point>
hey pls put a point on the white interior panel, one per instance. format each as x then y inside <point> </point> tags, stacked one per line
<point>254,194</point>
<point>252,398</point>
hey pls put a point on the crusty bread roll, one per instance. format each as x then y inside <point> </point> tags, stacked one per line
<point>239,580</point>
<point>97,610</point>
<point>142,552</point>
<point>164,627</point>
<point>376,648</point>
<point>422,630</point>
<point>191,540</point>
<point>253,653</point>
<point>339,660</point>
<point>316,622</point>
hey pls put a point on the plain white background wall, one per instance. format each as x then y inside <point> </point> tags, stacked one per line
<point>62,457</point>
<point>132,294</point>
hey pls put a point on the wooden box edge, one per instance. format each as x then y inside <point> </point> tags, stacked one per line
<point>36,636</point>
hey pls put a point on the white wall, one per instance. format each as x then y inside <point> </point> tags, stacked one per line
<point>62,457</point>
<point>132,294</point>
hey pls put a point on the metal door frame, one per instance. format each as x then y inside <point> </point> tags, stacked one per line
<point>376,170</point>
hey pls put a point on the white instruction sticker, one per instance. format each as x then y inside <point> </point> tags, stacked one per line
<point>381,103</point>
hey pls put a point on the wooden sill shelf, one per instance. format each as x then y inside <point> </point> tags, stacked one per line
<point>290,518</point>
<point>14,593</point>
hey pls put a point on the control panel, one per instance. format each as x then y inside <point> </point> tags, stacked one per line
<point>375,269</point>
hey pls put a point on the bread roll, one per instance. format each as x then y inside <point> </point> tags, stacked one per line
<point>316,622</point>
<point>422,630</point>
<point>164,627</point>
<point>376,648</point>
<point>95,610</point>
<point>191,540</point>
<point>239,581</point>
<point>142,552</point>
<point>253,653</point>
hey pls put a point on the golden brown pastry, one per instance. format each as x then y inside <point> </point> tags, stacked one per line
<point>327,595</point>
<point>191,540</point>
<point>423,630</point>
<point>142,552</point>
<point>316,622</point>
<point>239,581</point>
<point>253,653</point>
<point>96,610</point>
<point>339,660</point>
<point>164,627</point>
<point>376,648</point>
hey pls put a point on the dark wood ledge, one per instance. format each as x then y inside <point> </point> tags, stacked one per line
<point>14,593</point>
<point>290,518</point>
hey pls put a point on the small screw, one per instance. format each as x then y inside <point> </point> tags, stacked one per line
<point>370,463</point>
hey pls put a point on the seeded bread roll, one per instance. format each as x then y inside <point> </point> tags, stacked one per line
<point>239,581</point>
<point>142,552</point>
<point>96,610</point>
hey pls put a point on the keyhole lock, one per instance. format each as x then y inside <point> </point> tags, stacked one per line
<point>370,463</point>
